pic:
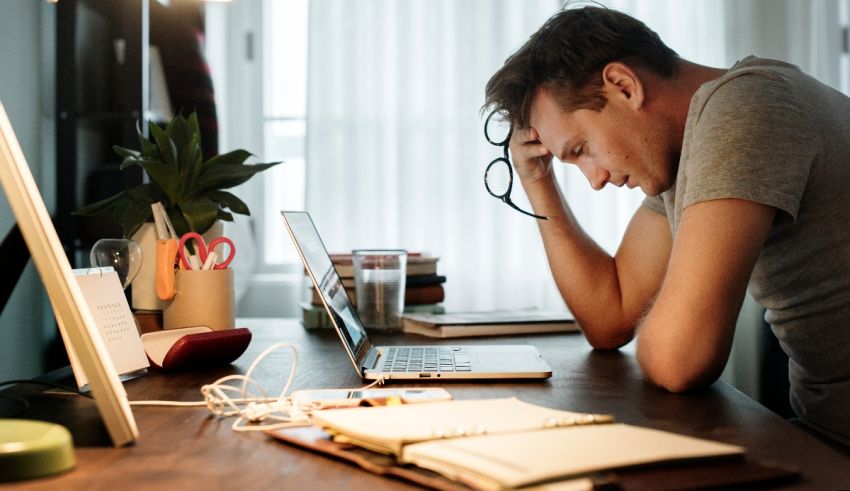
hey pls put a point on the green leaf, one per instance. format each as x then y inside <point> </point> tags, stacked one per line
<point>197,163</point>
<point>169,127</point>
<point>181,226</point>
<point>101,207</point>
<point>167,150</point>
<point>165,177</point>
<point>149,150</point>
<point>125,153</point>
<point>229,200</point>
<point>148,193</point>
<point>227,176</point>
<point>131,208</point>
<point>189,157</point>
<point>179,130</point>
<point>140,161</point>
<point>238,156</point>
<point>134,217</point>
<point>200,214</point>
<point>223,215</point>
<point>185,142</point>
<point>194,127</point>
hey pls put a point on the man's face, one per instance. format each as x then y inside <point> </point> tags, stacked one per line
<point>617,144</point>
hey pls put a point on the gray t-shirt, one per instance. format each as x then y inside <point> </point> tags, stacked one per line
<point>768,133</point>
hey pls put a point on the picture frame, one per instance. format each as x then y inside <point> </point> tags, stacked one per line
<point>76,322</point>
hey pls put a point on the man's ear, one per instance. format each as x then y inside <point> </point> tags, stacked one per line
<point>620,80</point>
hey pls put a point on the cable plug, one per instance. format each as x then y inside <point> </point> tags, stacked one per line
<point>255,412</point>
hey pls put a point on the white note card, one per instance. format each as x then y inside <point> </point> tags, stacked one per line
<point>115,322</point>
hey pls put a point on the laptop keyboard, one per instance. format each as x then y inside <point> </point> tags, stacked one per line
<point>426,359</point>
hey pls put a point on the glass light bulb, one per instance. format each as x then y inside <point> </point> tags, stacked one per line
<point>123,255</point>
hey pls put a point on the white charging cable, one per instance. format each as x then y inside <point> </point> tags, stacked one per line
<point>252,403</point>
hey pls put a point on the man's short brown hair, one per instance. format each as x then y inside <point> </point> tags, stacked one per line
<point>567,55</point>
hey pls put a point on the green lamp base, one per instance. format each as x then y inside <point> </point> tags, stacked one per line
<point>30,449</point>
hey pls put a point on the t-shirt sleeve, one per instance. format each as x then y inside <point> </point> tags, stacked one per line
<point>752,140</point>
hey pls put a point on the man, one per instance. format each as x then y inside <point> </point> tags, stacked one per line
<point>747,177</point>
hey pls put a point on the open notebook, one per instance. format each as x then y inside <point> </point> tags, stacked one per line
<point>507,443</point>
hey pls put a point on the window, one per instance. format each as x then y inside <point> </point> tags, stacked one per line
<point>257,50</point>
<point>284,123</point>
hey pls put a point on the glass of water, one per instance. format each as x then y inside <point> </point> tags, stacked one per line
<point>379,279</point>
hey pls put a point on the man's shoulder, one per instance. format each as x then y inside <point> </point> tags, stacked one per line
<point>754,62</point>
<point>751,83</point>
<point>751,78</point>
<point>756,79</point>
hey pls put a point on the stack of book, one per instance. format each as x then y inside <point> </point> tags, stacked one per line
<point>423,293</point>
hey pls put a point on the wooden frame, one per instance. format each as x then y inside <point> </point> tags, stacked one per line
<point>76,324</point>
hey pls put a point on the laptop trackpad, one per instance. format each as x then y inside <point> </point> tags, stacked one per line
<point>504,358</point>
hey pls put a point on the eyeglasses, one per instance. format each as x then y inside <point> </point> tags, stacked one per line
<point>499,175</point>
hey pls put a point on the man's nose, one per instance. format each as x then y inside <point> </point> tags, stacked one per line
<point>596,176</point>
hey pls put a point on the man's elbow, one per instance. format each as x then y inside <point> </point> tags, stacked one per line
<point>676,375</point>
<point>675,382</point>
<point>609,339</point>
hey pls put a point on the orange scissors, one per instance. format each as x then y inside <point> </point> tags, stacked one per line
<point>203,251</point>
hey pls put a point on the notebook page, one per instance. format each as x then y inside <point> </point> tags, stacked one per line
<point>388,428</point>
<point>519,459</point>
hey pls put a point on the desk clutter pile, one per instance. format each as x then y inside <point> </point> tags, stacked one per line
<point>507,443</point>
<point>424,289</point>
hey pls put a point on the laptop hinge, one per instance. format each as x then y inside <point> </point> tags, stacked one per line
<point>371,360</point>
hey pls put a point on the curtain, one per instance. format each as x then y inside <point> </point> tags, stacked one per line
<point>395,146</point>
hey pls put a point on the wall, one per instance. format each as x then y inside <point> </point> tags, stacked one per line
<point>26,88</point>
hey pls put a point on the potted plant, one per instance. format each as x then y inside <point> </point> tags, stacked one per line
<point>191,190</point>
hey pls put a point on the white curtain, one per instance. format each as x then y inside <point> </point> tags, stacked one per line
<point>395,152</point>
<point>395,148</point>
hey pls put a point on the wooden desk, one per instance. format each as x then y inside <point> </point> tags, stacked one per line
<point>186,449</point>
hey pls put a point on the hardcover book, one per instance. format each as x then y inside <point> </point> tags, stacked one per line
<point>417,264</point>
<point>414,295</point>
<point>316,317</point>
<point>489,323</point>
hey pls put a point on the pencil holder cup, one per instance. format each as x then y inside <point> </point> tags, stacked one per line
<point>202,298</point>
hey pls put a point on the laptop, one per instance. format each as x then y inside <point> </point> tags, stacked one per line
<point>433,362</point>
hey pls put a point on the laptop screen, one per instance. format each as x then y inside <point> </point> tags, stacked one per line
<point>325,278</point>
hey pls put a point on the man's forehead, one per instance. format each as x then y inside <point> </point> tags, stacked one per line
<point>547,116</point>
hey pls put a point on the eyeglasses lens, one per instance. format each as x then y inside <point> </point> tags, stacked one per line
<point>498,128</point>
<point>498,178</point>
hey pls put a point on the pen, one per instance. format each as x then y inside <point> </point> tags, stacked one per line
<point>210,262</point>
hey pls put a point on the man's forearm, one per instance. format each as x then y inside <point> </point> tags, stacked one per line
<point>586,275</point>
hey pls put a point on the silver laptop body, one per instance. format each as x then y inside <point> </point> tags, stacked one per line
<point>434,362</point>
